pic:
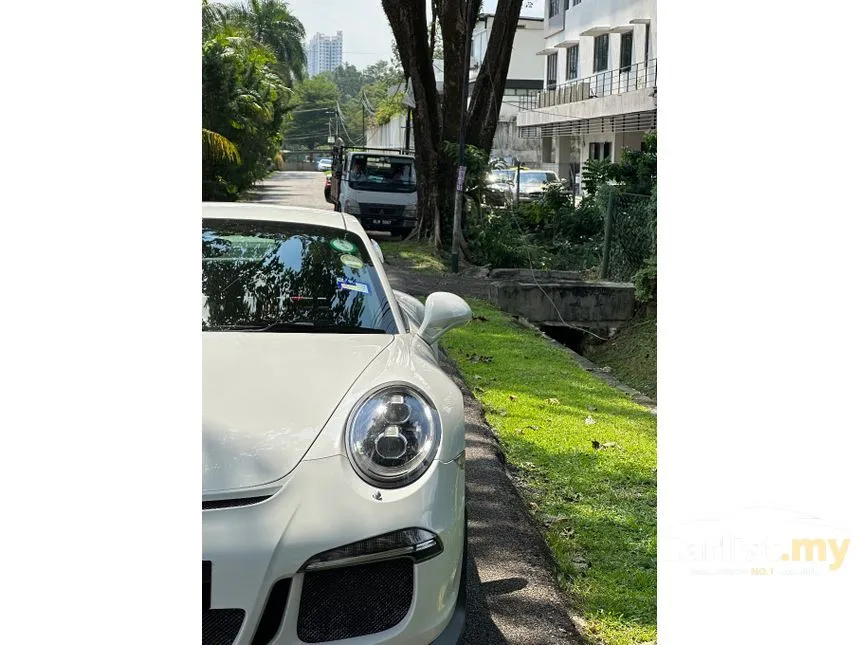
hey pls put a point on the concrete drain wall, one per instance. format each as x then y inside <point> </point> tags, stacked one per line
<point>589,304</point>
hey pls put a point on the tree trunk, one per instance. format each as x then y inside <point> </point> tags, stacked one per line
<point>438,121</point>
<point>490,84</point>
<point>408,20</point>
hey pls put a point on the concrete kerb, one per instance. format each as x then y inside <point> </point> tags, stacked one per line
<point>556,623</point>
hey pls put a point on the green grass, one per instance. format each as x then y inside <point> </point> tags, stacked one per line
<point>632,355</point>
<point>598,506</point>
<point>417,256</point>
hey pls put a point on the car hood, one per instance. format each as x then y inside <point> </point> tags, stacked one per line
<point>266,397</point>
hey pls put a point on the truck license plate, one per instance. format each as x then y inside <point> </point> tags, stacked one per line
<point>382,221</point>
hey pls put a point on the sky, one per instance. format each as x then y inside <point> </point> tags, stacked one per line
<point>366,34</point>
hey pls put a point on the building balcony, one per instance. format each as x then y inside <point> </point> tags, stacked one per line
<point>613,92</point>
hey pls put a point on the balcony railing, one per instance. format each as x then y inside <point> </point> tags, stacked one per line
<point>608,83</point>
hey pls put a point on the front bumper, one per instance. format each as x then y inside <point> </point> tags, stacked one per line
<point>323,505</point>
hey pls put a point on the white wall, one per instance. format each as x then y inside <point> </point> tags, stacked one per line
<point>525,65</point>
<point>611,13</point>
<point>389,135</point>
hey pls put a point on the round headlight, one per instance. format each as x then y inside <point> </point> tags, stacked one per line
<point>392,436</point>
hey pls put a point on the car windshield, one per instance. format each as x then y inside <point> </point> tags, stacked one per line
<point>501,176</point>
<point>537,178</point>
<point>382,173</point>
<point>286,277</point>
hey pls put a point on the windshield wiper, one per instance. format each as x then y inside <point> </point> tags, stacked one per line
<point>298,326</point>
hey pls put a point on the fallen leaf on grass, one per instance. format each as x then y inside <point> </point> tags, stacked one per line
<point>592,408</point>
<point>479,389</point>
<point>512,397</point>
<point>553,401</point>
<point>476,358</point>
<point>589,420</point>
<point>600,446</point>
<point>534,427</point>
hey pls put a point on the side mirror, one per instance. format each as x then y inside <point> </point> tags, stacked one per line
<point>443,312</point>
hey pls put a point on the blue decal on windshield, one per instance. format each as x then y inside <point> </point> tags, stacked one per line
<point>352,285</point>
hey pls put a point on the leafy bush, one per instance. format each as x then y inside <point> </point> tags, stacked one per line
<point>634,231</point>
<point>244,102</point>
<point>645,280</point>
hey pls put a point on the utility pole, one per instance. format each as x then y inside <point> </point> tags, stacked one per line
<point>461,170</point>
<point>408,128</point>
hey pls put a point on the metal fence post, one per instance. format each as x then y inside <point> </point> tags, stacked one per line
<point>607,234</point>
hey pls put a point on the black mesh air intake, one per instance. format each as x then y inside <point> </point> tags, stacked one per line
<point>220,626</point>
<point>354,601</point>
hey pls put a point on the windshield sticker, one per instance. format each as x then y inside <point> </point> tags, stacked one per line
<point>352,285</point>
<point>351,261</point>
<point>344,246</point>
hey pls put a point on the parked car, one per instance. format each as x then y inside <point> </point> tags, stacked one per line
<point>323,164</point>
<point>500,187</point>
<point>327,188</point>
<point>533,183</point>
<point>333,442</point>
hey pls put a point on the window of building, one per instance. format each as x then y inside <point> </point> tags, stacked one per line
<point>572,62</point>
<point>553,8</point>
<point>626,51</point>
<point>600,150</point>
<point>601,53</point>
<point>551,71</point>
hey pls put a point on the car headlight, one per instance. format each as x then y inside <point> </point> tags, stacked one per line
<point>392,436</point>
<point>351,207</point>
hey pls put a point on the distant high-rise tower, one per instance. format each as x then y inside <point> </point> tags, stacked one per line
<point>325,53</point>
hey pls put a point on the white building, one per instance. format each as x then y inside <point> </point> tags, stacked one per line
<point>600,81</point>
<point>325,53</point>
<point>392,135</point>
<point>524,82</point>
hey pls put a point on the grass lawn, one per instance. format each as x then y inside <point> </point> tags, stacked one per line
<point>417,256</point>
<point>632,354</point>
<point>596,502</point>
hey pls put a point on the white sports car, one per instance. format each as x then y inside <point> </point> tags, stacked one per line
<point>333,443</point>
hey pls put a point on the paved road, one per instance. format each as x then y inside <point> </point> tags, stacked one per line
<point>292,188</point>
<point>512,595</point>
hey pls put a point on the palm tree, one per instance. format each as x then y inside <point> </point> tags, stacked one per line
<point>214,18</point>
<point>217,147</point>
<point>271,23</point>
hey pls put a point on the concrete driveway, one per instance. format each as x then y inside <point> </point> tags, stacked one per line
<point>512,594</point>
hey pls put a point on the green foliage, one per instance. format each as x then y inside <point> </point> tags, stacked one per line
<point>637,170</point>
<point>645,280</point>
<point>270,23</point>
<point>595,173</point>
<point>348,79</point>
<point>389,107</point>
<point>534,236</point>
<point>477,164</point>
<point>634,231</point>
<point>244,102</point>
<point>310,105</point>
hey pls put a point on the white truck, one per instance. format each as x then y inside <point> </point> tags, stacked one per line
<point>377,186</point>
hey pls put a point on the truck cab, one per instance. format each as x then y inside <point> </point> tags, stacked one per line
<point>376,186</point>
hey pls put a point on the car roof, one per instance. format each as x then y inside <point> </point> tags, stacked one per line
<point>271,212</point>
